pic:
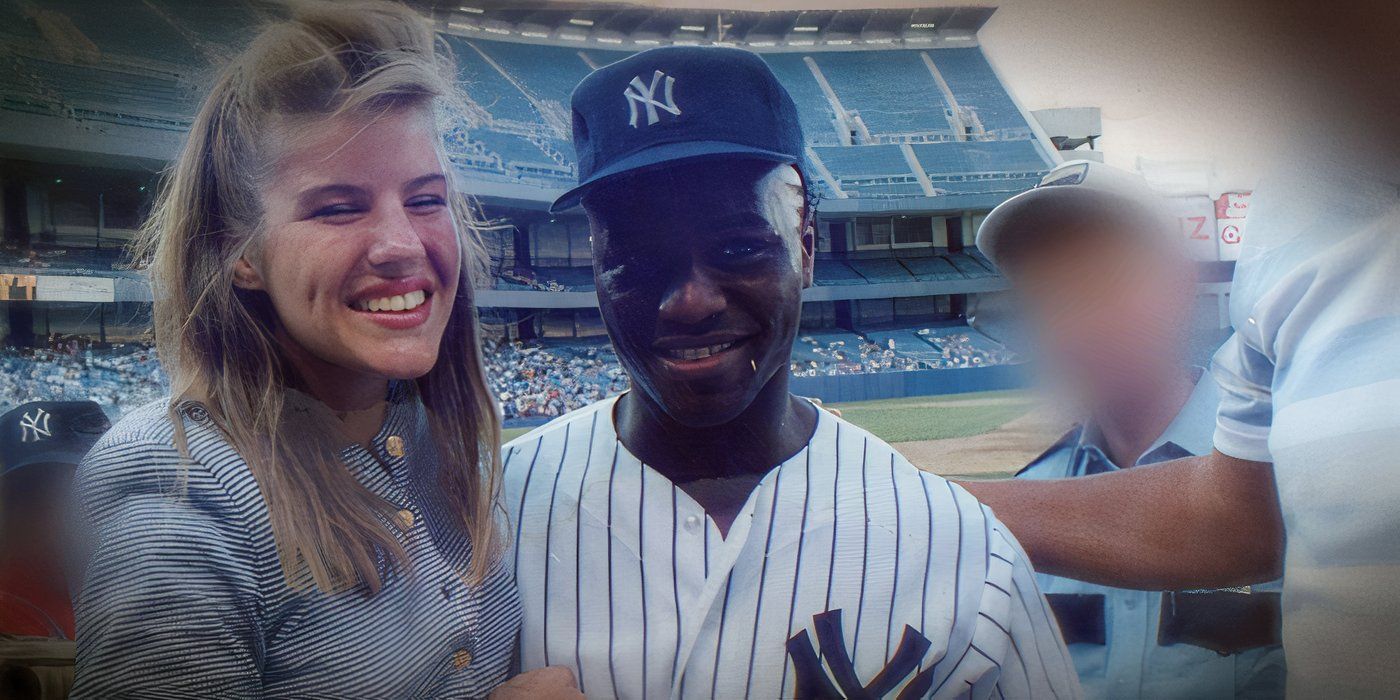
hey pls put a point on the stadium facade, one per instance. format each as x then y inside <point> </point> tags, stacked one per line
<point>912,137</point>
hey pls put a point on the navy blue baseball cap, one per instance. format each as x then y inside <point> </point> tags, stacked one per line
<point>679,103</point>
<point>49,432</point>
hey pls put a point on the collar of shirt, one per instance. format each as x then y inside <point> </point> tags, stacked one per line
<point>1080,450</point>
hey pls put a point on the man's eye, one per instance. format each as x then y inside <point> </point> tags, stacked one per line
<point>738,249</point>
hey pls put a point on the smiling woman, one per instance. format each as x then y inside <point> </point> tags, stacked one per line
<point>312,511</point>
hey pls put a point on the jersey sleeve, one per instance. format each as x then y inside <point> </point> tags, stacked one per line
<point>1035,662</point>
<point>168,605</point>
<point>1245,377</point>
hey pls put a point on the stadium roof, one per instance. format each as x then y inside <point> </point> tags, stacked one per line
<point>632,27</point>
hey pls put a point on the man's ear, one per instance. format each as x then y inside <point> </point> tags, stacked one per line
<point>809,252</point>
<point>245,276</point>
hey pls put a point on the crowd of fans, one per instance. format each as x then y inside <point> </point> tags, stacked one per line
<point>962,349</point>
<point>530,380</point>
<point>118,377</point>
<point>543,381</point>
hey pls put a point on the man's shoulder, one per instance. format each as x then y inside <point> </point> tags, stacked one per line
<point>558,425</point>
<point>520,453</point>
<point>885,465</point>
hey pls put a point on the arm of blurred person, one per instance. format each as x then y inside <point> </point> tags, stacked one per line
<point>170,603</point>
<point>1199,522</point>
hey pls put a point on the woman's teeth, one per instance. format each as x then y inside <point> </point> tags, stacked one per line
<point>697,353</point>
<point>398,302</point>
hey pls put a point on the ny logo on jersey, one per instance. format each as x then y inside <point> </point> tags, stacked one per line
<point>814,682</point>
<point>640,94</point>
<point>34,427</point>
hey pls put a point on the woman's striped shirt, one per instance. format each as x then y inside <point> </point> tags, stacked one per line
<point>184,596</point>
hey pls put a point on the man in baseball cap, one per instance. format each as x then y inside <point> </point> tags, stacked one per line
<point>1100,274</point>
<point>708,533</point>
<point>41,444</point>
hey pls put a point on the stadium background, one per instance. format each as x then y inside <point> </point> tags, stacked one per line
<point>912,137</point>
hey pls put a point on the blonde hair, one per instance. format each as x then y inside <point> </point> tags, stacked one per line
<point>216,341</point>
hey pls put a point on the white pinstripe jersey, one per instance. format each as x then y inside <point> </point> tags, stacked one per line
<point>848,572</point>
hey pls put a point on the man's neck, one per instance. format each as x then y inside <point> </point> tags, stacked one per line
<point>1129,430</point>
<point>772,429</point>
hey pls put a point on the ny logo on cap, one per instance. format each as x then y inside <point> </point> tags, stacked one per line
<point>34,427</point>
<point>639,94</point>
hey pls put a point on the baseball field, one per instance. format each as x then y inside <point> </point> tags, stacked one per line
<point>983,435</point>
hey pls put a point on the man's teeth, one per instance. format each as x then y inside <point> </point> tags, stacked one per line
<point>697,353</point>
<point>398,302</point>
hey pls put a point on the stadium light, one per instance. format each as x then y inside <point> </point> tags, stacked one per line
<point>802,42</point>
<point>496,30</point>
<point>647,42</point>
<point>462,25</point>
<point>577,22</point>
<point>840,42</point>
<point>535,35</point>
<point>471,10</point>
<point>923,25</point>
<point>806,29</point>
<point>692,28</point>
<point>609,40</point>
<point>573,37</point>
<point>763,43</point>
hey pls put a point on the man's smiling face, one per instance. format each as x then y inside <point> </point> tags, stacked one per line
<point>700,270</point>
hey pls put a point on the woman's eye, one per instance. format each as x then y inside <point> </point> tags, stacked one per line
<point>426,203</point>
<point>335,210</point>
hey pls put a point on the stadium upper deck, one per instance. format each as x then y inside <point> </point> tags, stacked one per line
<point>911,137</point>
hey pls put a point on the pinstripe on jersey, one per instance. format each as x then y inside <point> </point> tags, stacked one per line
<point>184,597</point>
<point>846,554</point>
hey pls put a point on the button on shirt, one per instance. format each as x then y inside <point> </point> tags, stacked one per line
<point>1311,383</point>
<point>1130,662</point>
<point>184,594</point>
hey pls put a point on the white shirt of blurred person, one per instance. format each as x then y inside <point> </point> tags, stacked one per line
<point>1107,291</point>
<point>1311,382</point>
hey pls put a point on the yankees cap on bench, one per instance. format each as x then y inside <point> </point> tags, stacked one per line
<point>1077,188</point>
<point>43,432</point>
<point>679,103</point>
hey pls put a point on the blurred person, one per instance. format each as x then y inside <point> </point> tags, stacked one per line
<point>312,510</point>
<point>41,444</point>
<point>1301,480</point>
<point>1100,269</point>
<point>707,533</point>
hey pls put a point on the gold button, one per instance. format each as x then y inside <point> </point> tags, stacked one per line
<point>394,445</point>
<point>461,659</point>
<point>406,518</point>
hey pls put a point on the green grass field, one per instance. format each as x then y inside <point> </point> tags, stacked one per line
<point>936,417</point>
<point>921,417</point>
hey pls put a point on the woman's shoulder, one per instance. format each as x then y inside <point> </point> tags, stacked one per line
<point>139,455</point>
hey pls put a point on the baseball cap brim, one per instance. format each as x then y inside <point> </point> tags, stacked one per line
<point>666,154</point>
<point>1024,213</point>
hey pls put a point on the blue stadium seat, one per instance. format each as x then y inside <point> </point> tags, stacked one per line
<point>836,272</point>
<point>892,90</point>
<point>881,270</point>
<point>974,84</point>
<point>813,109</point>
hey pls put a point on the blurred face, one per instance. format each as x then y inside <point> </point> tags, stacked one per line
<point>700,271</point>
<point>359,255</point>
<point>1109,313</point>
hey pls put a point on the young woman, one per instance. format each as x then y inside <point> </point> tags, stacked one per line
<point>312,511</point>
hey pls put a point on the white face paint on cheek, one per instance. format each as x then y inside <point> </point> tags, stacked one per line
<point>780,201</point>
